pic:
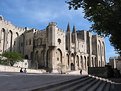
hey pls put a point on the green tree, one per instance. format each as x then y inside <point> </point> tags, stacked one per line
<point>10,58</point>
<point>105,16</point>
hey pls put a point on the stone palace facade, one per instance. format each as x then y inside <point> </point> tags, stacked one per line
<point>52,48</point>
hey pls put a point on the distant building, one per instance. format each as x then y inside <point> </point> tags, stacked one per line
<point>115,62</point>
<point>53,48</point>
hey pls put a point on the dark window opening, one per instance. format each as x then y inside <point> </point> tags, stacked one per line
<point>59,41</point>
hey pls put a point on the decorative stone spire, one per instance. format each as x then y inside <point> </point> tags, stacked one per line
<point>68,28</point>
<point>74,29</point>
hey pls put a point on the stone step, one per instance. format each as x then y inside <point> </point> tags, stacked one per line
<point>116,87</point>
<point>107,87</point>
<point>77,86</point>
<point>52,85</point>
<point>94,87</point>
<point>85,83</point>
<point>102,85</point>
<point>68,85</point>
<point>112,87</point>
<point>87,86</point>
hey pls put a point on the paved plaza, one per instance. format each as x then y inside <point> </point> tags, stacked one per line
<point>54,82</point>
<point>27,82</point>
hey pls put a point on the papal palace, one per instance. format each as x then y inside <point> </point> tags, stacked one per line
<point>52,48</point>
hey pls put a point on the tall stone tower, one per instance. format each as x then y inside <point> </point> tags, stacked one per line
<point>74,39</point>
<point>51,34</point>
<point>68,38</point>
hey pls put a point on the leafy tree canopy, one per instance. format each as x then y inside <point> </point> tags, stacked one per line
<point>11,58</point>
<point>105,16</point>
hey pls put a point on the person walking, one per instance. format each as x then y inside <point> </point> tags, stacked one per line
<point>80,71</point>
<point>21,70</point>
<point>25,70</point>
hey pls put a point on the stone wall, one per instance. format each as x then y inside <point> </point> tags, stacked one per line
<point>4,68</point>
<point>23,64</point>
<point>9,36</point>
<point>101,71</point>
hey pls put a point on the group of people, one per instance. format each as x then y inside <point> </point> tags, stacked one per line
<point>23,71</point>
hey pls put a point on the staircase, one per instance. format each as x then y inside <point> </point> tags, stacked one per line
<point>84,83</point>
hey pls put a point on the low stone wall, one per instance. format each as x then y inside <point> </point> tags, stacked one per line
<point>4,68</point>
<point>101,71</point>
<point>98,71</point>
<point>78,72</point>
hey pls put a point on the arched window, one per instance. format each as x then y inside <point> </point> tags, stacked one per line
<point>17,34</point>
<point>72,62</point>
<point>9,40</point>
<point>88,62</point>
<point>85,65</point>
<point>81,62</point>
<point>92,62</point>
<point>4,39</point>
<point>67,57</point>
<point>77,60</point>
<point>59,40</point>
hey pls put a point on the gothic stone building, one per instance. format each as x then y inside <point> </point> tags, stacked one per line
<point>53,48</point>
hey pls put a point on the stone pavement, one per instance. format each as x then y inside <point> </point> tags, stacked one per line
<point>54,82</point>
<point>26,82</point>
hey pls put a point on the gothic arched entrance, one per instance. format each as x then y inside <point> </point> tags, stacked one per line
<point>72,62</point>
<point>81,61</point>
<point>77,61</point>
<point>72,66</point>
<point>36,59</point>
<point>58,59</point>
<point>58,56</point>
<point>48,58</point>
<point>67,58</point>
<point>41,61</point>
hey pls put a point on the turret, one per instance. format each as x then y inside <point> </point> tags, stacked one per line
<point>68,38</point>
<point>51,34</point>
<point>74,38</point>
<point>68,28</point>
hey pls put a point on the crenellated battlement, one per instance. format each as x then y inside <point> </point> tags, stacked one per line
<point>9,24</point>
<point>52,24</point>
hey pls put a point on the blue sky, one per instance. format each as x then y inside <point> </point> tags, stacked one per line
<point>38,13</point>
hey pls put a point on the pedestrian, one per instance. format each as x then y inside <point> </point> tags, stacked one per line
<point>80,71</point>
<point>21,70</point>
<point>25,70</point>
